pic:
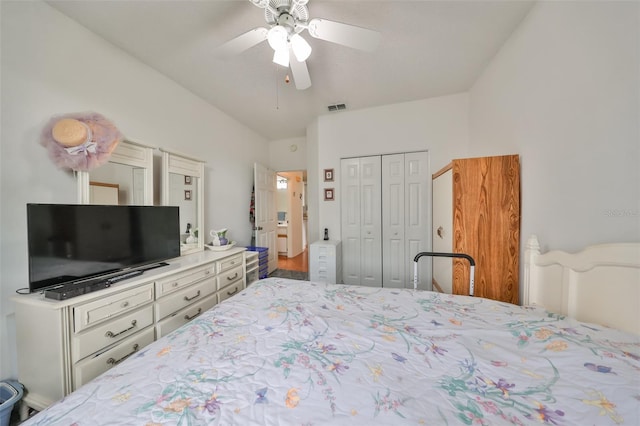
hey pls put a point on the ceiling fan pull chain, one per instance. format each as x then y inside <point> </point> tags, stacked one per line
<point>275,72</point>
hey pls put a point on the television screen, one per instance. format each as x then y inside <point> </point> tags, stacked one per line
<point>72,242</point>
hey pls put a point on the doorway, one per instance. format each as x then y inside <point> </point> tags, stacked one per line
<point>291,206</point>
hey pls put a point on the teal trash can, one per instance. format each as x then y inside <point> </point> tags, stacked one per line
<point>10,394</point>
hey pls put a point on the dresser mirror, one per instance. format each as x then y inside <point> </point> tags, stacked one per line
<point>182,186</point>
<point>126,179</point>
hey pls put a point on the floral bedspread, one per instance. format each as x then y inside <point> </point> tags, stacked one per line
<point>287,352</point>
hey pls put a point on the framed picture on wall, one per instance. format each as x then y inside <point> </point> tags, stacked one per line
<point>187,180</point>
<point>187,194</point>
<point>328,175</point>
<point>328,194</point>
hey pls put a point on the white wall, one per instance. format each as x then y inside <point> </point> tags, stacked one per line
<point>51,65</point>
<point>438,125</point>
<point>564,93</point>
<point>287,155</point>
<point>313,179</point>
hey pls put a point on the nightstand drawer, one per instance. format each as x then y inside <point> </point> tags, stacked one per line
<point>178,300</point>
<point>179,281</point>
<point>104,335</point>
<point>89,314</point>
<point>90,368</point>
<point>182,317</point>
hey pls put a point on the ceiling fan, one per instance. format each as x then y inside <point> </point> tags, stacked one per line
<point>286,20</point>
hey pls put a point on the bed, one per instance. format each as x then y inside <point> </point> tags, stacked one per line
<point>285,352</point>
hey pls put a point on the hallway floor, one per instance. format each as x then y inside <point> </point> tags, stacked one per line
<point>298,263</point>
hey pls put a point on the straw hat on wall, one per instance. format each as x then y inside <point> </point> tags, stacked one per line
<point>80,141</point>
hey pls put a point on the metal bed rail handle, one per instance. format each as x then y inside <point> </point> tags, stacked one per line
<point>472,264</point>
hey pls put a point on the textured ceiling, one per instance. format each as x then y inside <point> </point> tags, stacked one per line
<point>428,48</point>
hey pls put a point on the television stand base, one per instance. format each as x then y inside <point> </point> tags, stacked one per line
<point>67,291</point>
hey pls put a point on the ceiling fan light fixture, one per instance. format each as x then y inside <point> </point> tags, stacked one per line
<point>281,57</point>
<point>300,47</point>
<point>277,38</point>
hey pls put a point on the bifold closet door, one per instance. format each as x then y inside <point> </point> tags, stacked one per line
<point>405,215</point>
<point>361,221</point>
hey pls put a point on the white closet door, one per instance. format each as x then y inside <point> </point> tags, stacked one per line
<point>361,221</point>
<point>350,212</point>
<point>405,217</point>
<point>385,215</point>
<point>371,221</point>
<point>417,236</point>
<point>393,221</point>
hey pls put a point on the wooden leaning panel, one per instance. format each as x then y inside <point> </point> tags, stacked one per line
<point>486,225</point>
<point>600,284</point>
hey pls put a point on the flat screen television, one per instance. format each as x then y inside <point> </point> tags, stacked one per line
<point>69,243</point>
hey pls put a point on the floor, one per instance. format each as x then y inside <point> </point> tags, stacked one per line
<point>298,263</point>
<point>296,268</point>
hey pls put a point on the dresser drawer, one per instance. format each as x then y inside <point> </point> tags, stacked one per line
<point>230,277</point>
<point>180,299</point>
<point>179,281</point>
<point>89,314</point>
<point>182,317</point>
<point>230,290</point>
<point>230,262</point>
<point>108,333</point>
<point>90,368</point>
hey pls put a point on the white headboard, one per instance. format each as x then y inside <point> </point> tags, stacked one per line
<point>600,284</point>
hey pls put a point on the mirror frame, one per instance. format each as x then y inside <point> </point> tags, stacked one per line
<point>173,162</point>
<point>129,153</point>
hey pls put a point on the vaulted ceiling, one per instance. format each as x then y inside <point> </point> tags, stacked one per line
<point>427,49</point>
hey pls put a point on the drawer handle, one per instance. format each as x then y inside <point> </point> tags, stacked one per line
<point>231,293</point>
<point>112,334</point>
<point>189,318</point>
<point>175,284</point>
<point>233,277</point>
<point>207,272</point>
<point>112,361</point>
<point>194,297</point>
<point>125,304</point>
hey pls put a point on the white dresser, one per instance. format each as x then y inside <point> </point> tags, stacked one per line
<point>64,344</point>
<point>325,261</point>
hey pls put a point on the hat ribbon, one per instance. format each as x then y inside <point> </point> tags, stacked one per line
<point>85,148</point>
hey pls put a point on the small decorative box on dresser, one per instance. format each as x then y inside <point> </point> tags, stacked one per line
<point>325,259</point>
<point>64,344</point>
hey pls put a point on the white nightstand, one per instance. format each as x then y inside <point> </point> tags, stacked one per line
<point>325,261</point>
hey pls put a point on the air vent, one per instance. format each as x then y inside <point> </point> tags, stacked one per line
<point>336,107</point>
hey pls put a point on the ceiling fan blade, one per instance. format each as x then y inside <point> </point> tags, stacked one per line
<point>241,43</point>
<point>345,34</point>
<point>300,72</point>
